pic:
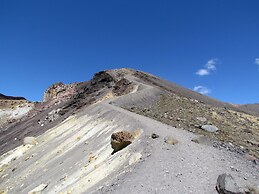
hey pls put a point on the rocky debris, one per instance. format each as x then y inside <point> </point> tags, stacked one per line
<point>123,86</point>
<point>50,117</point>
<point>254,143</point>
<point>120,140</point>
<point>30,141</point>
<point>170,140</point>
<point>177,111</point>
<point>38,189</point>
<point>227,185</point>
<point>230,147</point>
<point>135,158</point>
<point>209,128</point>
<point>154,136</point>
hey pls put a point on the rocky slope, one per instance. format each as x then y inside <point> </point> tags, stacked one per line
<point>12,109</point>
<point>87,138</point>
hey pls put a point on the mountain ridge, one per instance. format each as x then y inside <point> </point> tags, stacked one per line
<point>71,131</point>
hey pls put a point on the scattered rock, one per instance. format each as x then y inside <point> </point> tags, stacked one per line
<point>209,128</point>
<point>154,136</point>
<point>38,189</point>
<point>254,143</point>
<point>29,141</point>
<point>170,140</point>
<point>135,158</point>
<point>120,140</point>
<point>227,185</point>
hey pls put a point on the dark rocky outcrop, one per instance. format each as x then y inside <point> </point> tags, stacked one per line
<point>4,97</point>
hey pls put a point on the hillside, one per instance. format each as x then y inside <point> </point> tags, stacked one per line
<point>128,131</point>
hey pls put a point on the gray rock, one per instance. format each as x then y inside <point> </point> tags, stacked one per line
<point>227,185</point>
<point>209,128</point>
<point>202,119</point>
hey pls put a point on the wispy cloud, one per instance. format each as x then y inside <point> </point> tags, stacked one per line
<point>257,61</point>
<point>208,67</point>
<point>202,90</point>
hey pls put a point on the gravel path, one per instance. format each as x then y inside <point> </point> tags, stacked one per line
<point>186,167</point>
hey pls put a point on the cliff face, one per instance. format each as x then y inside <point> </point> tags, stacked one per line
<point>59,91</point>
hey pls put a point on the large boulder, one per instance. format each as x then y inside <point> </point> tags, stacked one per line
<point>120,140</point>
<point>227,185</point>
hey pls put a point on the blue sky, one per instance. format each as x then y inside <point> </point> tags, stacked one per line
<point>210,46</point>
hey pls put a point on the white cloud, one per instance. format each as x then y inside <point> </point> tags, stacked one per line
<point>211,64</point>
<point>202,90</point>
<point>257,61</point>
<point>202,72</point>
<point>208,67</point>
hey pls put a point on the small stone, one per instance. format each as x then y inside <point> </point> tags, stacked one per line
<point>27,158</point>
<point>209,128</point>
<point>154,136</point>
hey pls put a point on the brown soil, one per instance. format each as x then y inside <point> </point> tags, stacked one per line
<point>237,128</point>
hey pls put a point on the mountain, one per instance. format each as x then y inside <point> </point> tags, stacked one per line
<point>128,131</point>
<point>252,109</point>
<point>4,97</point>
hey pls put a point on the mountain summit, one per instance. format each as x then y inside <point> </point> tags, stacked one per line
<point>127,131</point>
